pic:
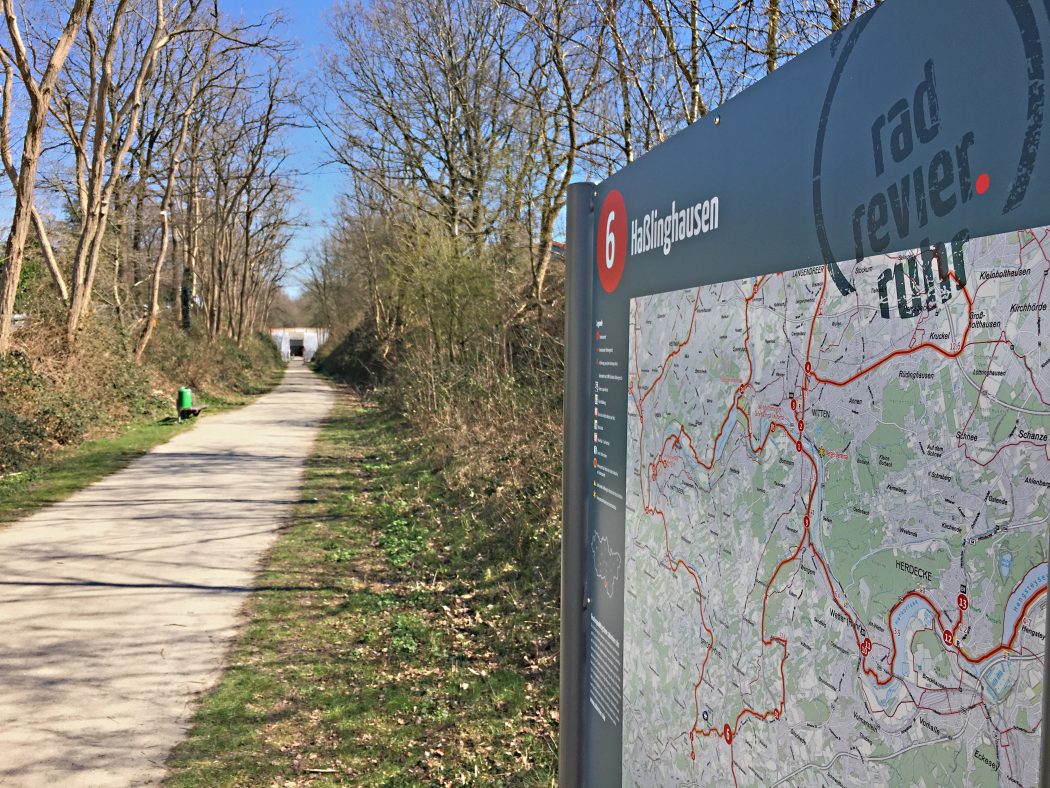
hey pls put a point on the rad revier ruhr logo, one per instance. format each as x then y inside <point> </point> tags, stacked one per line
<point>918,148</point>
<point>612,240</point>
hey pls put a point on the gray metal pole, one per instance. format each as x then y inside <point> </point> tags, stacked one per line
<point>579,279</point>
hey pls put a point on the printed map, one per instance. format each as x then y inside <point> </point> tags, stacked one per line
<point>837,524</point>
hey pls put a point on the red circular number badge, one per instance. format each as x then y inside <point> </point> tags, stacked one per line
<point>612,240</point>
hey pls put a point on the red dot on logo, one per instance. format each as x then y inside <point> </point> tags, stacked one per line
<point>612,240</point>
<point>983,182</point>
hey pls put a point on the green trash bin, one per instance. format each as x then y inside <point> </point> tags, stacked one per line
<point>184,400</point>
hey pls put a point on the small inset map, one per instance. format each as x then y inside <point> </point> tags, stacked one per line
<point>607,563</point>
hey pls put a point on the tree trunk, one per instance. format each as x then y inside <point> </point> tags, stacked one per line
<point>39,106</point>
<point>772,34</point>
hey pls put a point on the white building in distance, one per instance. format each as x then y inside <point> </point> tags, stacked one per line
<point>298,342</point>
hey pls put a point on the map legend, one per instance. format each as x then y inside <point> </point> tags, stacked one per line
<point>604,422</point>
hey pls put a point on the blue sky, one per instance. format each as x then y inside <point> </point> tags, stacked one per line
<point>321,183</point>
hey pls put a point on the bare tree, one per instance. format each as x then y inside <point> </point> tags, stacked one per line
<point>237,218</point>
<point>562,47</point>
<point>120,52</point>
<point>168,145</point>
<point>40,96</point>
<point>195,62</point>
<point>422,95</point>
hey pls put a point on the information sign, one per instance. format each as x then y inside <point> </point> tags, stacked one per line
<point>807,415</point>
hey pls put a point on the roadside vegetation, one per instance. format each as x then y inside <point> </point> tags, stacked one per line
<point>70,418</point>
<point>147,211</point>
<point>397,637</point>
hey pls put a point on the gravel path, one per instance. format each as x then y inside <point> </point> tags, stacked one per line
<point>117,605</point>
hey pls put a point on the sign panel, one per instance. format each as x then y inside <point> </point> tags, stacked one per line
<point>811,462</point>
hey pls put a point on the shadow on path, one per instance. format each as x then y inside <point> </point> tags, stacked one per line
<point>118,604</point>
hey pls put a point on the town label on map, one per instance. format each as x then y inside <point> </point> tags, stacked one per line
<point>835,564</point>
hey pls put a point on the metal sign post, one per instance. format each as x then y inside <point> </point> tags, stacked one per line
<point>576,475</point>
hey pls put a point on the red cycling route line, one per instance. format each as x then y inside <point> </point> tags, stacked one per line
<point>949,636</point>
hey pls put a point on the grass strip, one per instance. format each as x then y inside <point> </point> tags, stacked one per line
<point>68,470</point>
<point>392,640</point>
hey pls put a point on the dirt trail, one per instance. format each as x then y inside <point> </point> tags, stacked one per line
<point>117,605</point>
